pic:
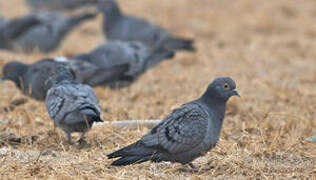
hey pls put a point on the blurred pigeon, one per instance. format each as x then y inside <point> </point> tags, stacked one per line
<point>188,132</point>
<point>30,78</point>
<point>43,30</point>
<point>59,4</point>
<point>118,26</point>
<point>93,74</point>
<point>10,29</point>
<point>74,107</point>
<point>135,54</point>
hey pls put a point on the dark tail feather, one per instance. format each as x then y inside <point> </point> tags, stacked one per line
<point>79,4</point>
<point>92,119</point>
<point>131,154</point>
<point>107,75</point>
<point>179,44</point>
<point>75,21</point>
<point>130,160</point>
<point>157,57</point>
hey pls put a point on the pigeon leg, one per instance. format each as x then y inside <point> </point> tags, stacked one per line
<point>82,137</point>
<point>69,138</point>
<point>82,140</point>
<point>194,167</point>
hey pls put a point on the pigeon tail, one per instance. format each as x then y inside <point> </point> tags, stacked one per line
<point>179,44</point>
<point>134,153</point>
<point>75,21</point>
<point>157,57</point>
<point>79,4</point>
<point>91,115</point>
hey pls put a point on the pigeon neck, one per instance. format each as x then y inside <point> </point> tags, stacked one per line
<point>214,102</point>
<point>19,78</point>
<point>110,18</point>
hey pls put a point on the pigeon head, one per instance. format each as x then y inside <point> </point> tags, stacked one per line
<point>14,71</point>
<point>109,7</point>
<point>61,75</point>
<point>221,89</point>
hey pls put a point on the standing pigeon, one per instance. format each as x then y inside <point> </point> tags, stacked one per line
<point>188,132</point>
<point>10,29</point>
<point>48,32</point>
<point>135,54</point>
<point>30,78</point>
<point>59,4</point>
<point>74,107</point>
<point>118,26</point>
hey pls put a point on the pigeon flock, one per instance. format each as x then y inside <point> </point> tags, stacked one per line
<point>133,46</point>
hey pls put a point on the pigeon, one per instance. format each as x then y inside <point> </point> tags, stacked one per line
<point>10,29</point>
<point>93,74</point>
<point>74,107</point>
<point>138,56</point>
<point>118,26</point>
<point>53,5</point>
<point>45,31</point>
<point>188,132</point>
<point>30,78</point>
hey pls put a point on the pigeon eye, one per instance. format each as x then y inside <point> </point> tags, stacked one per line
<point>226,86</point>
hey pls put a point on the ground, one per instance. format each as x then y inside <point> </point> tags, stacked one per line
<point>267,47</point>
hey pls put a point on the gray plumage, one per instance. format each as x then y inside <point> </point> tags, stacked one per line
<point>93,74</point>
<point>74,107</point>
<point>11,29</point>
<point>135,54</point>
<point>48,31</point>
<point>188,132</point>
<point>30,78</point>
<point>59,4</point>
<point>118,26</point>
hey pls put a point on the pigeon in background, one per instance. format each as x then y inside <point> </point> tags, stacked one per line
<point>10,29</point>
<point>30,78</point>
<point>46,31</point>
<point>135,54</point>
<point>188,132</point>
<point>92,74</point>
<point>74,107</point>
<point>59,4</point>
<point>118,26</point>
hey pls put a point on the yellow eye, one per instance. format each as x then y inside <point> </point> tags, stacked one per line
<point>226,86</point>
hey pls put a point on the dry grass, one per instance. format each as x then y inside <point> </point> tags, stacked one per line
<point>268,47</point>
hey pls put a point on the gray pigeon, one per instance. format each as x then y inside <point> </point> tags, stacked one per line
<point>135,54</point>
<point>48,32</point>
<point>30,78</point>
<point>118,26</point>
<point>93,74</point>
<point>74,107</point>
<point>10,29</point>
<point>59,4</point>
<point>188,132</point>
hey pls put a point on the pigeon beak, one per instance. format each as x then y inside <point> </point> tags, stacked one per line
<point>236,93</point>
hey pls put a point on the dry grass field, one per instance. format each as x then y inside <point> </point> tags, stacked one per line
<point>269,49</point>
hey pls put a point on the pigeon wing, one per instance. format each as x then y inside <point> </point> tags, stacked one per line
<point>180,131</point>
<point>62,100</point>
